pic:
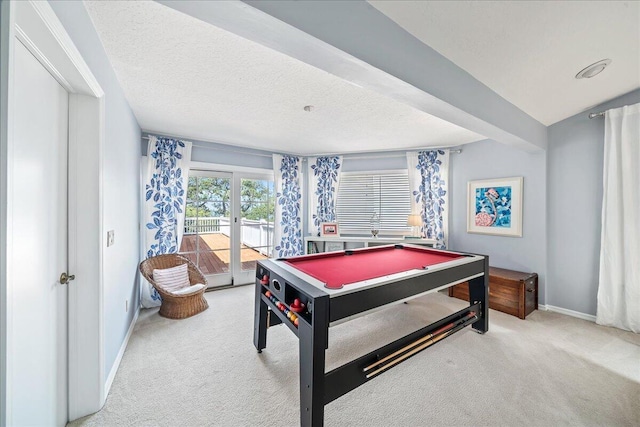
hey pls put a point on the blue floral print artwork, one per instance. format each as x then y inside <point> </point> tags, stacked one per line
<point>493,207</point>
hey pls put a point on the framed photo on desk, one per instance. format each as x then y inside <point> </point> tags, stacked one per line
<point>329,229</point>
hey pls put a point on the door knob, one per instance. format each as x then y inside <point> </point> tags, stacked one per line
<point>65,278</point>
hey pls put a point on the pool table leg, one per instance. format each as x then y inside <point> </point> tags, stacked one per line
<point>313,341</point>
<point>260,322</point>
<point>479,292</point>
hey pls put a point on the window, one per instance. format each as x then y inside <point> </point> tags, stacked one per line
<point>362,194</point>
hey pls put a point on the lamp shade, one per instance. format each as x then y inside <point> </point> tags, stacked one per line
<point>414,220</point>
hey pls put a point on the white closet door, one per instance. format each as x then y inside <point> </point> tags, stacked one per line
<point>38,246</point>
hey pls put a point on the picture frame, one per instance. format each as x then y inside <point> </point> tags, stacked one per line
<point>329,229</point>
<point>494,206</point>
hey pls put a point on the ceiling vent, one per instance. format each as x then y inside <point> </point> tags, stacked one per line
<point>593,69</point>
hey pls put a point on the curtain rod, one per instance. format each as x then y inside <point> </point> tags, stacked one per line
<point>231,150</point>
<point>348,156</point>
<point>594,115</point>
<point>390,156</point>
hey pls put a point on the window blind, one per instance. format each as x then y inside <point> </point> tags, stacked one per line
<point>362,194</point>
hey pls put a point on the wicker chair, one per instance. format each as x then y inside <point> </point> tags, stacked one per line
<point>176,306</point>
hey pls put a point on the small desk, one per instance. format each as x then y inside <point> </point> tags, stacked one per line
<point>338,286</point>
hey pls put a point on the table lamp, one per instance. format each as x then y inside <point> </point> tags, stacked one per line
<point>415,221</point>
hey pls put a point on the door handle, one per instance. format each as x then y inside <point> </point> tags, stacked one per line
<point>65,278</point>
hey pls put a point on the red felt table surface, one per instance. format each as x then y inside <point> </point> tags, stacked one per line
<point>337,268</point>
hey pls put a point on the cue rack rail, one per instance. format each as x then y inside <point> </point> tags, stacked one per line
<point>349,376</point>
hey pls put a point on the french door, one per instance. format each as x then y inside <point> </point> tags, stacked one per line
<point>228,224</point>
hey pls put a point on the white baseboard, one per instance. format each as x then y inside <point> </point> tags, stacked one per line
<point>116,364</point>
<point>583,316</point>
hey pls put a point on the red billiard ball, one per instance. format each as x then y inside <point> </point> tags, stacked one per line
<point>268,294</point>
<point>295,322</point>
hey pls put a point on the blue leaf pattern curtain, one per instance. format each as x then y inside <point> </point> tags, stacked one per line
<point>429,181</point>
<point>287,233</point>
<point>324,179</point>
<point>165,196</point>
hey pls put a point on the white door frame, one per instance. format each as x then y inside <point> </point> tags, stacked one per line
<point>37,27</point>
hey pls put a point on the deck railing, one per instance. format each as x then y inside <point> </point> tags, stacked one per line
<point>256,234</point>
<point>203,225</point>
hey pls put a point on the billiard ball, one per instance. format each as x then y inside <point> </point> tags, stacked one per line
<point>268,294</point>
<point>295,322</point>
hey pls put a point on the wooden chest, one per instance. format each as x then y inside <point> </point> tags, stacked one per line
<point>512,292</point>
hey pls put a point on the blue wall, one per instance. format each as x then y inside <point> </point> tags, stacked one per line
<point>574,198</point>
<point>121,173</point>
<point>211,152</point>
<point>375,162</point>
<point>486,160</point>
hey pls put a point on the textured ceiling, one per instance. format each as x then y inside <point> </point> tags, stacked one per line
<point>528,52</point>
<point>185,77</point>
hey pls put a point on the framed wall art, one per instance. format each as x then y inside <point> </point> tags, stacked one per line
<point>494,206</point>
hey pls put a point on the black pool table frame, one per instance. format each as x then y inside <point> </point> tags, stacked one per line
<point>318,388</point>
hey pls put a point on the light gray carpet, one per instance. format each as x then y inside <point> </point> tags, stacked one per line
<point>547,370</point>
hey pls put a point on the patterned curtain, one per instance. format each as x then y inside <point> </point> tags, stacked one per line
<point>324,179</point>
<point>429,181</point>
<point>165,196</point>
<point>287,233</point>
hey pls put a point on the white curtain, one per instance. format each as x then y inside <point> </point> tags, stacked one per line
<point>287,227</point>
<point>619,283</point>
<point>429,186</point>
<point>165,195</point>
<point>324,180</point>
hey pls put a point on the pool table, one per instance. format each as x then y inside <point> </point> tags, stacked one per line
<point>313,292</point>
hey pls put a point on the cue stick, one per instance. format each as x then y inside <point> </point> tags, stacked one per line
<point>418,349</point>
<point>418,341</point>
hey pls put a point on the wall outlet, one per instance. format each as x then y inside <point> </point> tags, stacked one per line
<point>110,240</point>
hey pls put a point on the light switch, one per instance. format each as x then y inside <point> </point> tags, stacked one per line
<point>110,234</point>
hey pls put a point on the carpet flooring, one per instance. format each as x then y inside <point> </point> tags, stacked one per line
<point>547,370</point>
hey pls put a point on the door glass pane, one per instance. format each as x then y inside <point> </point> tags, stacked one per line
<point>207,226</point>
<point>256,227</point>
